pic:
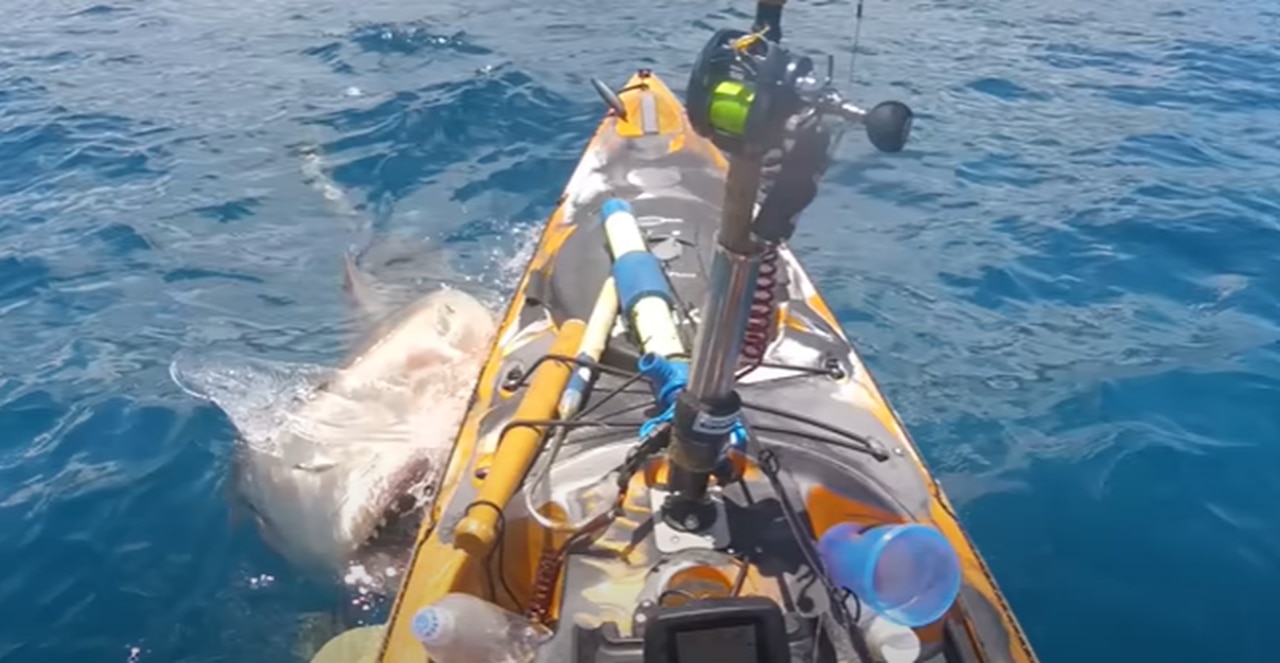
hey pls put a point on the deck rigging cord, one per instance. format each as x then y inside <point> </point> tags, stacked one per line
<point>495,550</point>
<point>550,561</point>
<point>771,466</point>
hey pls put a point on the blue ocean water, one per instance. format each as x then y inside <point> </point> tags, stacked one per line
<point>1066,285</point>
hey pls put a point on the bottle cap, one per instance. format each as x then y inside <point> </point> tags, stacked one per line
<point>432,626</point>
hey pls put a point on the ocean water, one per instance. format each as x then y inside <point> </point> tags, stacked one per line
<point>1067,284</point>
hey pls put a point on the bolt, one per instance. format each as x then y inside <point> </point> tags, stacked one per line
<point>513,377</point>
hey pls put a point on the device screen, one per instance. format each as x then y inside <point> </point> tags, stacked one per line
<point>732,643</point>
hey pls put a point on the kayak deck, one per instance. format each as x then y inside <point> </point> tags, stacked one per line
<point>851,461</point>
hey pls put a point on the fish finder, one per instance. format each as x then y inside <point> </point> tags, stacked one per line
<point>741,630</point>
<point>747,629</point>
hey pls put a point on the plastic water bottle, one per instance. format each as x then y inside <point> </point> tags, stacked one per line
<point>460,628</point>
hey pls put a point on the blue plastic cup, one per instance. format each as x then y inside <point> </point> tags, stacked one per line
<point>907,573</point>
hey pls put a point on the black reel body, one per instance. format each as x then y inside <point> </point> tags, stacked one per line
<point>742,90</point>
<point>752,97</point>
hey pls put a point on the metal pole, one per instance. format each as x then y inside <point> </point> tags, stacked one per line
<point>734,271</point>
<point>733,277</point>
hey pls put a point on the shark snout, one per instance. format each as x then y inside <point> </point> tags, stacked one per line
<point>338,464</point>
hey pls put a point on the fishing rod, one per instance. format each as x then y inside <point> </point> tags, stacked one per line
<point>751,97</point>
<point>769,24</point>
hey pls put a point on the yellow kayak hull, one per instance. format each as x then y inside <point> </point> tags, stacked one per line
<point>477,539</point>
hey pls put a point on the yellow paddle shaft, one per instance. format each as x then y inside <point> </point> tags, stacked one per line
<point>517,449</point>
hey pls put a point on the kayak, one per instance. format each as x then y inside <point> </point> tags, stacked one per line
<point>576,496</point>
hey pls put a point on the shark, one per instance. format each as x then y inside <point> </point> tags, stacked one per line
<point>326,459</point>
<point>337,463</point>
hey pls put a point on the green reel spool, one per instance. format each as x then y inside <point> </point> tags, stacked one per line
<point>738,91</point>
<point>730,104</point>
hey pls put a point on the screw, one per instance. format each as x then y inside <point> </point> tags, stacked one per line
<point>512,379</point>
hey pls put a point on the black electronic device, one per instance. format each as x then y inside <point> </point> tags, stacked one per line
<point>748,629</point>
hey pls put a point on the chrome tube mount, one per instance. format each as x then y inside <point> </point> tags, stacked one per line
<point>778,112</point>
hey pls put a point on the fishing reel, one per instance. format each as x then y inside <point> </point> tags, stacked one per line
<point>744,89</point>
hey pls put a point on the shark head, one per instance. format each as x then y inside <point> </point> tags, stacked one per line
<point>336,464</point>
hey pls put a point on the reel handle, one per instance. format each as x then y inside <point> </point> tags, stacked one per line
<point>888,124</point>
